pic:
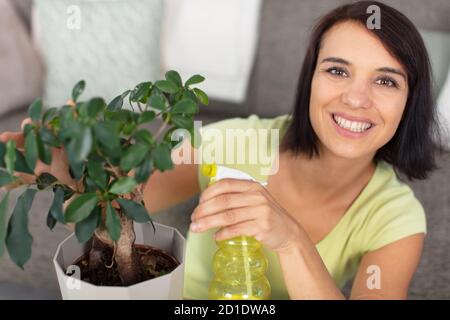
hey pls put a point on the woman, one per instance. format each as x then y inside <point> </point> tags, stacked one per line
<point>334,209</point>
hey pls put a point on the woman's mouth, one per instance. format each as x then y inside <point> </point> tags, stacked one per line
<point>350,128</point>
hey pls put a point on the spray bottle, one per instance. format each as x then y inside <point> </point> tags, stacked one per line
<point>239,264</point>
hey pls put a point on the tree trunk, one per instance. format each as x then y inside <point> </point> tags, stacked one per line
<point>129,265</point>
<point>128,262</point>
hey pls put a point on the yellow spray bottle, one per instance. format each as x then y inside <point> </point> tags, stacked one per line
<point>239,264</point>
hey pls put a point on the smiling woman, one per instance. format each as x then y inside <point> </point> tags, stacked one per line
<point>335,208</point>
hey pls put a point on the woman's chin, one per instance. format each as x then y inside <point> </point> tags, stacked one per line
<point>349,152</point>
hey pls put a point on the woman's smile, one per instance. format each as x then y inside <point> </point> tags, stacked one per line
<point>350,128</point>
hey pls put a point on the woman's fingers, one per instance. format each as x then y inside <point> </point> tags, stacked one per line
<point>227,218</point>
<point>229,185</point>
<point>25,121</point>
<point>15,136</point>
<point>224,202</point>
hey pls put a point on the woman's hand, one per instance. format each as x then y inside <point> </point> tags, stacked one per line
<point>59,166</point>
<point>243,207</point>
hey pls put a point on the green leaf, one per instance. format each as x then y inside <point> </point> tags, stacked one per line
<point>80,207</point>
<point>45,180</point>
<point>188,94</point>
<point>141,92</point>
<point>70,129</point>
<point>35,110</point>
<point>146,116</point>
<point>5,178</point>
<point>144,136</point>
<point>133,156</point>
<point>27,128</point>
<point>10,157</point>
<point>50,114</point>
<point>182,122</point>
<point>18,239</point>
<point>85,229</point>
<point>77,170</point>
<point>156,101</point>
<point>143,171</point>
<point>80,147</point>
<point>90,185</point>
<point>184,106</point>
<point>98,174</point>
<point>166,86</point>
<point>95,106</point>
<point>3,210</point>
<point>2,154</point>
<point>134,210</point>
<point>31,149</point>
<point>51,222</point>
<point>107,135</point>
<point>201,96</point>
<point>174,77</point>
<point>78,90</point>
<point>162,157</point>
<point>129,128</point>
<point>48,137</point>
<point>116,104</point>
<point>123,185</point>
<point>112,222</point>
<point>56,209</point>
<point>21,164</point>
<point>44,153</point>
<point>194,79</point>
<point>196,137</point>
<point>120,115</point>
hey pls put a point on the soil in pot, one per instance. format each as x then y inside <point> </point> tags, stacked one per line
<point>156,262</point>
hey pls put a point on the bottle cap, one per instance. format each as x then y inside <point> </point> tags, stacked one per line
<point>209,170</point>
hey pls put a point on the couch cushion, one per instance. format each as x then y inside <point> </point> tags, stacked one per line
<point>432,279</point>
<point>21,73</point>
<point>112,45</point>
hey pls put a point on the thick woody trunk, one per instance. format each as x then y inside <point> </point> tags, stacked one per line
<point>125,256</point>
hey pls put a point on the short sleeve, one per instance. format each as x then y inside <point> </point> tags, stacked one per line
<point>395,219</point>
<point>219,128</point>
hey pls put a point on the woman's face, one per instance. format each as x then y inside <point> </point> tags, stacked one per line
<point>358,93</point>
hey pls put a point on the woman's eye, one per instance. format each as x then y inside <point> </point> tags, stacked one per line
<point>337,72</point>
<point>387,82</point>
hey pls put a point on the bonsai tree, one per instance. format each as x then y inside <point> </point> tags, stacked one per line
<point>110,155</point>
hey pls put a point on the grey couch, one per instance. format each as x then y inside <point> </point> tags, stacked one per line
<point>284,28</point>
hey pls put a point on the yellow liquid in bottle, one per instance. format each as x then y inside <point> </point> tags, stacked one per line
<point>239,265</point>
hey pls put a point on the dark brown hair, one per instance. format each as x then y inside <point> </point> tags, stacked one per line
<point>411,150</point>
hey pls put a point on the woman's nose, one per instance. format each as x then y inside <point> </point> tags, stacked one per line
<point>356,96</point>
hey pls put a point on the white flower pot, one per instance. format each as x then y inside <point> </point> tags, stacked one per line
<point>166,287</point>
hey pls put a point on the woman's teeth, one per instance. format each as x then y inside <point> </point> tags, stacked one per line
<point>354,126</point>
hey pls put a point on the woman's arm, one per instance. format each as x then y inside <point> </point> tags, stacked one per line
<point>165,189</point>
<point>306,276</point>
<point>242,207</point>
<point>396,264</point>
<point>304,273</point>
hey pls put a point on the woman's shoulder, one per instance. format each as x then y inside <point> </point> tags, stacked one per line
<point>392,210</point>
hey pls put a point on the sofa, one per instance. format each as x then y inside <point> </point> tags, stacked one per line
<point>283,31</point>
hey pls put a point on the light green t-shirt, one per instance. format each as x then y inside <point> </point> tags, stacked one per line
<point>385,211</point>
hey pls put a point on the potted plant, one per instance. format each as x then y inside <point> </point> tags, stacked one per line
<point>110,155</point>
